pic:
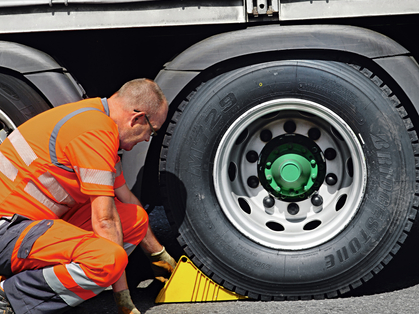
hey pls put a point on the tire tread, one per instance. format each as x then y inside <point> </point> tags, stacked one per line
<point>403,114</point>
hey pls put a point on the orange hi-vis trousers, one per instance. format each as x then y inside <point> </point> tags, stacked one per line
<point>59,262</point>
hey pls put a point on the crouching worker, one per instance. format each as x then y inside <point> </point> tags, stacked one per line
<point>68,220</point>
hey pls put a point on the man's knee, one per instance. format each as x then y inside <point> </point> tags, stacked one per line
<point>140,228</point>
<point>106,264</point>
<point>116,267</point>
<point>134,220</point>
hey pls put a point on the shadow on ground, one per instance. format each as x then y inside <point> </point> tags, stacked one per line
<point>402,272</point>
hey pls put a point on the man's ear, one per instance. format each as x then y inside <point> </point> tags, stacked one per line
<point>137,117</point>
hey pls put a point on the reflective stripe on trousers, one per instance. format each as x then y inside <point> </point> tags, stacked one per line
<point>56,272</point>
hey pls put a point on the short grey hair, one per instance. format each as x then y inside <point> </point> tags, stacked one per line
<point>142,94</point>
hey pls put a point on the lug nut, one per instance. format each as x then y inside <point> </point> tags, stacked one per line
<point>317,200</point>
<point>265,135</point>
<point>290,126</point>
<point>314,134</point>
<point>293,209</point>
<point>331,179</point>
<point>330,154</point>
<point>253,182</point>
<point>268,201</point>
<point>252,156</point>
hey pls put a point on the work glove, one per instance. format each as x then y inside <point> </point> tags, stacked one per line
<point>162,265</point>
<point>124,303</point>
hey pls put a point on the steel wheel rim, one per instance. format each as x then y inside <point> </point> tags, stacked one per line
<point>275,227</point>
<point>6,126</point>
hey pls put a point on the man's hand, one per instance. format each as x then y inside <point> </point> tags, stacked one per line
<point>162,265</point>
<point>124,303</point>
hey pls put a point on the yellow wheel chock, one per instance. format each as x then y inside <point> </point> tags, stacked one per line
<point>189,284</point>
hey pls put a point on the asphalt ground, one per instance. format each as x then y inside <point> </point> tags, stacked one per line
<point>394,290</point>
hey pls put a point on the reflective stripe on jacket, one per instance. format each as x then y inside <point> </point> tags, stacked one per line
<point>58,159</point>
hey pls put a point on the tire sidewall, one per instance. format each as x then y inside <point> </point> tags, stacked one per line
<point>367,240</point>
<point>18,100</point>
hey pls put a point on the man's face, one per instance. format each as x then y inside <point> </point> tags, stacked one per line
<point>139,129</point>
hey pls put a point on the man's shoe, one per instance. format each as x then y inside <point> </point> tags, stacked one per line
<point>5,307</point>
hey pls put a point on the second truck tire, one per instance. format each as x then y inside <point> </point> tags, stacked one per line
<point>18,103</point>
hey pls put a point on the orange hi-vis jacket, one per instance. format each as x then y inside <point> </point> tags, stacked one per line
<point>49,167</point>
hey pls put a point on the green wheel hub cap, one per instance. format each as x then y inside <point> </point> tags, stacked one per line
<point>291,167</point>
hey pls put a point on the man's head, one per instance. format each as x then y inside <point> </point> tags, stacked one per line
<point>139,109</point>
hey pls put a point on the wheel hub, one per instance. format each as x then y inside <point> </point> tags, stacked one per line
<point>270,174</point>
<point>291,167</point>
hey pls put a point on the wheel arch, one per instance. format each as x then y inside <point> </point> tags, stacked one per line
<point>216,54</point>
<point>41,71</point>
<point>228,51</point>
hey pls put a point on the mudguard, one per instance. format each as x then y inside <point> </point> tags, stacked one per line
<point>261,39</point>
<point>42,71</point>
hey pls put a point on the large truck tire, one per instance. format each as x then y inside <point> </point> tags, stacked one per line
<point>291,179</point>
<point>18,103</point>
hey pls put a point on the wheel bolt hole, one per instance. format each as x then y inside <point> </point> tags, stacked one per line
<point>252,156</point>
<point>244,205</point>
<point>270,116</point>
<point>314,134</point>
<point>341,202</point>
<point>253,182</point>
<point>350,167</point>
<point>331,179</point>
<point>293,209</point>
<point>274,226</point>
<point>336,133</point>
<point>312,225</point>
<point>232,171</point>
<point>290,126</point>
<point>306,114</point>
<point>242,137</point>
<point>265,136</point>
<point>330,154</point>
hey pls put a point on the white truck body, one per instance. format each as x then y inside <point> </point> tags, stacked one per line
<point>62,15</point>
